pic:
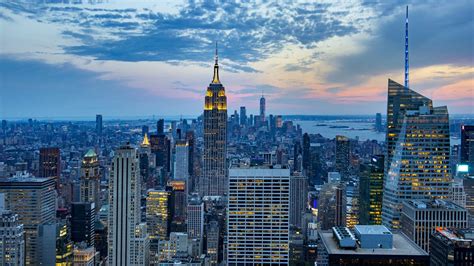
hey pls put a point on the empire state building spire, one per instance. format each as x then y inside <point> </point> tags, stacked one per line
<point>406,51</point>
<point>215,78</point>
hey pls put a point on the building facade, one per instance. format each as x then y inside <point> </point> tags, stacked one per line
<point>258,216</point>
<point>12,241</point>
<point>371,191</point>
<point>298,198</point>
<point>449,247</point>
<point>90,180</point>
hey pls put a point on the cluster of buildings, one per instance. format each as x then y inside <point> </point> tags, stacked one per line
<point>238,189</point>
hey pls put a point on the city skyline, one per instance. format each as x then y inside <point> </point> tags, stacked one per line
<point>117,59</point>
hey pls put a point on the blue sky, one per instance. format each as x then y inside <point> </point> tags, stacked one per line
<point>140,58</point>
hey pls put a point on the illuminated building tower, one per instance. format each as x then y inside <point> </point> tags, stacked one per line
<point>90,180</point>
<point>144,161</point>
<point>160,146</point>
<point>158,219</point>
<point>262,111</point>
<point>83,223</point>
<point>126,233</point>
<point>195,211</point>
<point>12,241</point>
<point>467,147</point>
<point>64,245</point>
<point>258,216</point>
<point>298,198</point>
<point>50,164</point>
<point>214,177</point>
<point>98,124</point>
<point>371,191</point>
<point>34,200</point>
<point>342,156</point>
<point>179,203</point>
<point>418,151</point>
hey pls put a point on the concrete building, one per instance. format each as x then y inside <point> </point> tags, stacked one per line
<point>195,221</point>
<point>84,256</point>
<point>127,237</point>
<point>12,241</point>
<point>258,216</point>
<point>298,198</point>
<point>421,218</point>
<point>90,180</point>
<point>451,247</point>
<point>370,245</point>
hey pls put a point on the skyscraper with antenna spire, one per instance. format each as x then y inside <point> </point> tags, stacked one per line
<point>407,66</point>
<point>214,177</point>
<point>262,110</point>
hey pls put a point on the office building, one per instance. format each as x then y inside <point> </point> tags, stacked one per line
<point>467,147</point>
<point>332,205</point>
<point>214,177</point>
<point>64,245</point>
<point>371,191</point>
<point>158,218</point>
<point>83,223</point>
<point>378,122</point>
<point>12,240</point>
<point>258,216</point>
<point>418,149</point>
<point>90,180</point>
<point>98,124</point>
<point>34,200</point>
<point>125,232</point>
<point>160,127</point>
<point>50,164</point>
<point>342,156</point>
<point>420,218</point>
<point>181,161</point>
<point>212,238</point>
<point>195,220</point>
<point>243,116</point>
<point>369,245</point>
<point>179,204</point>
<point>298,198</point>
<point>449,247</point>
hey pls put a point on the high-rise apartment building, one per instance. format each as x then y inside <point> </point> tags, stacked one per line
<point>371,191</point>
<point>418,150</point>
<point>126,235</point>
<point>34,200</point>
<point>342,156</point>
<point>420,218</point>
<point>258,216</point>
<point>90,180</point>
<point>214,177</point>
<point>298,198</point>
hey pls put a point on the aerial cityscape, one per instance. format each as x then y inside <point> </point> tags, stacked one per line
<point>223,133</point>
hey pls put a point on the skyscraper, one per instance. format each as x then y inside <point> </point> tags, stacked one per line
<point>378,122</point>
<point>125,230</point>
<point>258,216</point>
<point>298,198</point>
<point>371,191</point>
<point>158,219</point>
<point>262,111</point>
<point>12,240</point>
<point>342,156</point>
<point>214,178</point>
<point>418,151</point>
<point>160,127</point>
<point>90,180</point>
<point>181,161</point>
<point>50,163</point>
<point>467,147</point>
<point>98,124</point>
<point>195,221</point>
<point>83,223</point>
<point>243,116</point>
<point>34,200</point>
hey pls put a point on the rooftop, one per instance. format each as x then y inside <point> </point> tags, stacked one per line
<point>372,229</point>
<point>432,204</point>
<point>402,246</point>
<point>258,172</point>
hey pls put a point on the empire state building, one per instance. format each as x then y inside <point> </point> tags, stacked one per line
<point>214,176</point>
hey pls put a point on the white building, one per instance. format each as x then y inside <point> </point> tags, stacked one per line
<point>84,256</point>
<point>126,236</point>
<point>258,216</point>
<point>181,160</point>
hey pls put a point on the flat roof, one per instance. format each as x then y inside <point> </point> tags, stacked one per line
<point>258,172</point>
<point>25,179</point>
<point>372,229</point>
<point>402,246</point>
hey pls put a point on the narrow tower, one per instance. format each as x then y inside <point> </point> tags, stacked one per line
<point>407,68</point>
<point>214,177</point>
<point>262,110</point>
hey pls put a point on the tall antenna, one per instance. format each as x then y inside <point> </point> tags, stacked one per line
<point>216,57</point>
<point>407,68</point>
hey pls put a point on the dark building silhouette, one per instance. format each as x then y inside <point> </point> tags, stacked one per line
<point>50,163</point>
<point>371,191</point>
<point>83,222</point>
<point>98,124</point>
